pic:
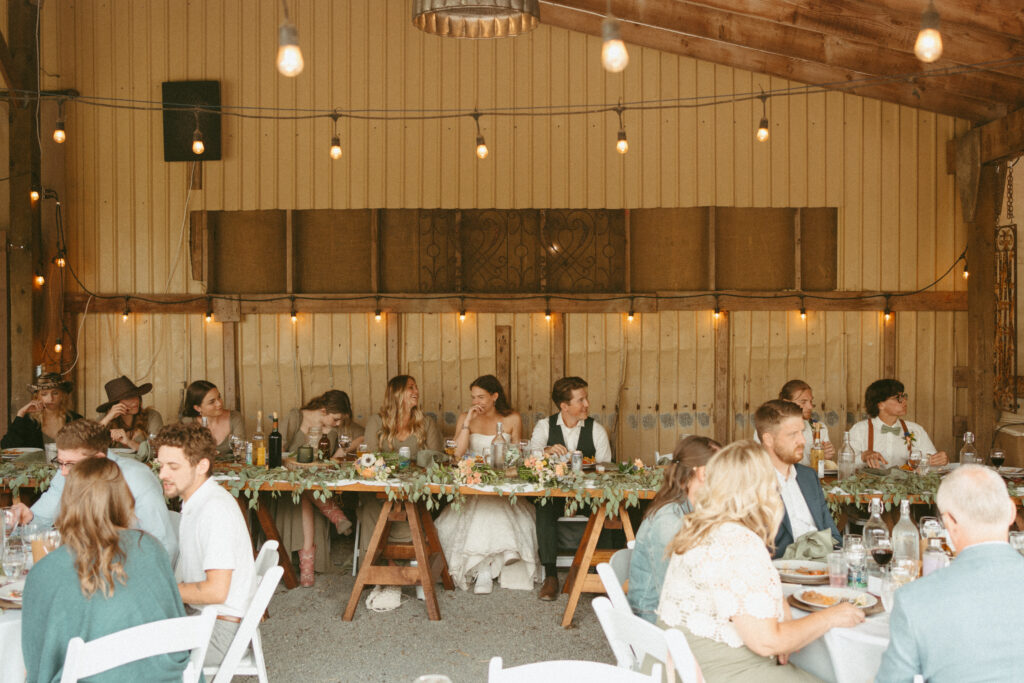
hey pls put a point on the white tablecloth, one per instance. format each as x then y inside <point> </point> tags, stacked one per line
<point>844,655</point>
<point>12,666</point>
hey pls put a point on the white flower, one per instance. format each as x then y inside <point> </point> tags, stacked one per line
<point>367,460</point>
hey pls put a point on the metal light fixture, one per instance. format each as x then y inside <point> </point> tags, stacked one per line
<point>762,127</point>
<point>289,54</point>
<point>335,140</point>
<point>59,134</point>
<point>476,18</point>
<point>481,146</point>
<point>197,137</point>
<point>621,144</point>
<point>928,46</point>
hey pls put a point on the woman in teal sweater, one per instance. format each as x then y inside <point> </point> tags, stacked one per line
<point>649,560</point>
<point>105,578</point>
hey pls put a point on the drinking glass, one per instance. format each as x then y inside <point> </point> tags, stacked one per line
<point>1017,541</point>
<point>998,457</point>
<point>237,449</point>
<point>915,460</point>
<point>344,441</point>
<point>931,527</point>
<point>881,552</point>
<point>836,569</point>
<point>888,592</point>
<point>14,560</point>
<point>449,447</point>
<point>363,448</point>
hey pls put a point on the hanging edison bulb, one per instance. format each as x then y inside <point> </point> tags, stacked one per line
<point>289,55</point>
<point>197,142</point>
<point>614,56</point>
<point>59,135</point>
<point>928,46</point>
<point>622,144</point>
<point>335,148</point>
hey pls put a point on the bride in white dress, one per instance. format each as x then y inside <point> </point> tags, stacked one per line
<point>490,537</point>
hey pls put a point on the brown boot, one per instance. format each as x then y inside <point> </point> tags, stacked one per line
<point>335,515</point>
<point>549,589</point>
<point>307,559</point>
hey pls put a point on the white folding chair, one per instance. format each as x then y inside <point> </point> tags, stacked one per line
<point>614,573</point>
<point>567,671</point>
<point>245,655</point>
<point>266,558</point>
<point>631,638</point>
<point>166,636</point>
<point>683,661</point>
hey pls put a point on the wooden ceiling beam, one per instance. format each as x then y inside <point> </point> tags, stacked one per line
<point>7,69</point>
<point>920,96</point>
<point>863,22</point>
<point>1005,17</point>
<point>859,59</point>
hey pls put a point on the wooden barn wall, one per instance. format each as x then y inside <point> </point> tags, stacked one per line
<point>882,165</point>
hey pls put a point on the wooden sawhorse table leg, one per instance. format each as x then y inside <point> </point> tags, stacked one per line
<point>425,549</point>
<point>272,534</point>
<point>580,580</point>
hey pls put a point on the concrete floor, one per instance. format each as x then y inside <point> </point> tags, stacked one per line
<point>306,641</point>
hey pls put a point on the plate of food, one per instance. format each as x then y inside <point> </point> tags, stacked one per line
<point>12,591</point>
<point>826,596</point>
<point>12,453</point>
<point>802,571</point>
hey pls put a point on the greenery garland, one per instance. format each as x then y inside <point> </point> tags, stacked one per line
<point>892,487</point>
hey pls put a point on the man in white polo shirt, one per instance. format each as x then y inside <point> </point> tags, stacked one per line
<point>780,426</point>
<point>215,565</point>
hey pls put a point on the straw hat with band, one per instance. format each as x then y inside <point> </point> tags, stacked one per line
<point>121,388</point>
<point>51,380</point>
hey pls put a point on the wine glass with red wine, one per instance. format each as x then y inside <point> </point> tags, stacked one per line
<point>998,457</point>
<point>882,554</point>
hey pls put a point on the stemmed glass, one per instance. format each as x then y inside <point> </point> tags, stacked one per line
<point>997,456</point>
<point>1017,541</point>
<point>14,560</point>
<point>881,552</point>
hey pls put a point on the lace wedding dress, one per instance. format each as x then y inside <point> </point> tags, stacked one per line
<point>490,532</point>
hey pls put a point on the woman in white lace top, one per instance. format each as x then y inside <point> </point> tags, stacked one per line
<point>721,589</point>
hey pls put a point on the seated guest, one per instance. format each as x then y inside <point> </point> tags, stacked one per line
<point>82,440</point>
<point>400,422</point>
<point>39,420</point>
<point>130,424</point>
<point>721,589</point>
<point>105,578</point>
<point>489,537</point>
<point>215,566</point>
<point>570,429</point>
<point>682,480</point>
<point>800,393</point>
<point>963,623</point>
<point>202,400</point>
<point>327,412</point>
<point>780,426</point>
<point>885,439</point>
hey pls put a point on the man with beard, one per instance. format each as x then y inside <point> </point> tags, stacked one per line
<point>780,426</point>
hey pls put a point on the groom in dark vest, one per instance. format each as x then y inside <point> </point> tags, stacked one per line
<point>570,429</point>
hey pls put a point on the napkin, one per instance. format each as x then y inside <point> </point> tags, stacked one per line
<point>814,546</point>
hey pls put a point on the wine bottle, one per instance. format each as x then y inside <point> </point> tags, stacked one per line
<point>259,445</point>
<point>498,448</point>
<point>274,445</point>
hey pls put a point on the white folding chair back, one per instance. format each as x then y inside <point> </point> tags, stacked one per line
<point>241,659</point>
<point>683,661</point>
<point>613,574</point>
<point>568,671</point>
<point>629,636</point>
<point>266,558</point>
<point>166,636</point>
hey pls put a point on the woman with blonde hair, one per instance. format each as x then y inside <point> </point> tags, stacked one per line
<point>683,479</point>
<point>721,589</point>
<point>39,420</point>
<point>104,578</point>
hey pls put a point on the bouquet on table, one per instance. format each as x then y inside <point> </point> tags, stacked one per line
<point>372,466</point>
<point>545,470</point>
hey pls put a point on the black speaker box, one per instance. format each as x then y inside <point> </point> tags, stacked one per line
<point>181,100</point>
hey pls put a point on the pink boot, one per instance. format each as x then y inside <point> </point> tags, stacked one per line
<point>306,561</point>
<point>335,515</point>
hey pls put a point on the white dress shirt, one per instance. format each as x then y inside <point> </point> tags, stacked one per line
<point>893,447</point>
<point>571,437</point>
<point>800,518</point>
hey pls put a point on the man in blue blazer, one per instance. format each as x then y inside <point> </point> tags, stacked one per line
<point>780,427</point>
<point>963,623</point>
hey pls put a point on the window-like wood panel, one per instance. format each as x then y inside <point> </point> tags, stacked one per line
<point>247,251</point>
<point>332,250</point>
<point>669,249</point>
<point>754,249</point>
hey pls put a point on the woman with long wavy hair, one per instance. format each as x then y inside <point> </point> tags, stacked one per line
<point>682,480</point>
<point>39,420</point>
<point>721,589</point>
<point>489,537</point>
<point>106,577</point>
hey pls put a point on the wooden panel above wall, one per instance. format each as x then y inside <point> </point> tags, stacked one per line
<point>754,249</point>
<point>669,249</point>
<point>247,251</point>
<point>818,246</point>
<point>418,251</point>
<point>331,250</point>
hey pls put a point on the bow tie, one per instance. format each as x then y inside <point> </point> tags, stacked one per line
<point>891,430</point>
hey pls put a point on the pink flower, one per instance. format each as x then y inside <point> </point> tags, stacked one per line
<point>638,463</point>
<point>560,470</point>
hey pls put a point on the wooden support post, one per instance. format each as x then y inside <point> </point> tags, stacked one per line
<point>721,417</point>
<point>557,346</point>
<point>229,333</point>
<point>5,330</point>
<point>981,309</point>
<point>889,346</point>
<point>393,343</point>
<point>503,356</point>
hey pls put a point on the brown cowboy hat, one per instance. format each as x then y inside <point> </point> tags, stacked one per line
<point>51,380</point>
<point>120,389</point>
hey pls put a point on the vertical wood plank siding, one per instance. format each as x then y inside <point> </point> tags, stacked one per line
<point>651,379</point>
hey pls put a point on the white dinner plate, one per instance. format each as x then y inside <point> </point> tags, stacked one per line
<point>790,571</point>
<point>12,591</point>
<point>12,453</point>
<point>859,598</point>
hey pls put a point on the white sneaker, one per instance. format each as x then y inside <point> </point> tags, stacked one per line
<point>384,598</point>
<point>484,582</point>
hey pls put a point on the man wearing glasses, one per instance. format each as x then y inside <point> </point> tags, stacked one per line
<point>83,439</point>
<point>886,439</point>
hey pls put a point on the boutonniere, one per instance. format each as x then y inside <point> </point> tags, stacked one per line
<point>909,437</point>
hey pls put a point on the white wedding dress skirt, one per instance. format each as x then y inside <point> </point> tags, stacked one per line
<point>490,533</point>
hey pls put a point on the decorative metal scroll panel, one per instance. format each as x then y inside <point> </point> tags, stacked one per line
<point>585,250</point>
<point>500,251</point>
<point>438,262</point>
<point>1006,318</point>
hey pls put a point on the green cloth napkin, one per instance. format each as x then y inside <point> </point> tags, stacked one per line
<point>814,546</point>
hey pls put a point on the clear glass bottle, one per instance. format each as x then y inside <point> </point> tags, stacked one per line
<point>968,452</point>
<point>498,448</point>
<point>874,530</point>
<point>934,557</point>
<point>905,543</point>
<point>259,444</point>
<point>847,458</point>
<point>818,455</point>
